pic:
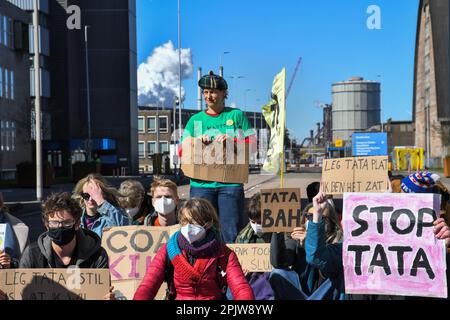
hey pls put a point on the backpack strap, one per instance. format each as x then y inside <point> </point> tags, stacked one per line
<point>222,263</point>
<point>170,291</point>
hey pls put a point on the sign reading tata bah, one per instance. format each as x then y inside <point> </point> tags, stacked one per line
<point>390,247</point>
<point>369,144</point>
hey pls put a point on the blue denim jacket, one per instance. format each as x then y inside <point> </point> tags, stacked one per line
<point>110,216</point>
<point>325,257</point>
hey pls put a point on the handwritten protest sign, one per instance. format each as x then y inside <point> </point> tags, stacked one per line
<point>55,284</point>
<point>280,209</point>
<point>254,257</point>
<point>390,247</point>
<point>2,236</point>
<point>131,250</point>
<point>363,174</point>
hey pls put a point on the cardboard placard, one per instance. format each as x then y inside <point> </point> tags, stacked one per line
<point>280,209</point>
<point>131,250</point>
<point>390,247</point>
<point>55,284</point>
<point>362,174</point>
<point>254,257</point>
<point>215,162</point>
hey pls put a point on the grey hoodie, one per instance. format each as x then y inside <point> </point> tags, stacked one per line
<point>89,252</point>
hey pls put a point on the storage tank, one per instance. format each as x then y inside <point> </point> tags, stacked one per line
<point>356,107</point>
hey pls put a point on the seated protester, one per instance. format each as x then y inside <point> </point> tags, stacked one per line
<point>100,203</point>
<point>16,238</point>
<point>252,233</point>
<point>64,243</point>
<point>165,200</point>
<point>136,202</point>
<point>293,278</point>
<point>195,263</point>
<point>328,257</point>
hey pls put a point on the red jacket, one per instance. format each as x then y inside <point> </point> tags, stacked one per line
<point>204,288</point>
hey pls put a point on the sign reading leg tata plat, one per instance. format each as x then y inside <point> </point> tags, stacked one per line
<point>390,247</point>
<point>369,144</point>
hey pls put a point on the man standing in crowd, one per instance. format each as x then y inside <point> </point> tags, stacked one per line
<point>227,125</point>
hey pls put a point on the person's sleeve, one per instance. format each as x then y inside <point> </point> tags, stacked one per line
<point>282,252</point>
<point>102,261</point>
<point>238,284</point>
<point>26,260</point>
<point>118,217</point>
<point>326,257</point>
<point>154,277</point>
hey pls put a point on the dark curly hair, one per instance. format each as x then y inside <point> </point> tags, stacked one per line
<point>254,207</point>
<point>59,202</point>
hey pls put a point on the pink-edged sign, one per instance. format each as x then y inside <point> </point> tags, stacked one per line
<point>389,245</point>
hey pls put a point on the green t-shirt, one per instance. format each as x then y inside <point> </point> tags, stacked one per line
<point>231,121</point>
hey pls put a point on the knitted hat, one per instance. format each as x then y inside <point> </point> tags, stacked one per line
<point>420,182</point>
<point>212,81</point>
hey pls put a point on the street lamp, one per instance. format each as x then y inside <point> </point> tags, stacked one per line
<point>234,86</point>
<point>88,95</point>
<point>220,62</point>
<point>381,109</point>
<point>37,101</point>
<point>245,98</point>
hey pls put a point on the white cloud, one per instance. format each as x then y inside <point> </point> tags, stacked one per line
<point>158,75</point>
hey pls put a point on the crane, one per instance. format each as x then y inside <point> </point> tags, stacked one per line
<point>293,76</point>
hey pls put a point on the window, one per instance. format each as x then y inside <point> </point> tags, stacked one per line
<point>5,30</point>
<point>163,121</point>
<point>10,33</point>
<point>151,124</point>
<point>163,147</point>
<point>13,136</point>
<point>1,82</point>
<point>6,78</point>
<point>2,131</point>
<point>1,29</point>
<point>151,148</point>
<point>7,136</point>
<point>141,124</point>
<point>141,148</point>
<point>11,82</point>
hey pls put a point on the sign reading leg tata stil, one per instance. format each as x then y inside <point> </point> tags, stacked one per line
<point>390,247</point>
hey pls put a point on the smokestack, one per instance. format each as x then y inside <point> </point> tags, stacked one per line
<point>318,132</point>
<point>199,97</point>
<point>221,71</point>
<point>311,135</point>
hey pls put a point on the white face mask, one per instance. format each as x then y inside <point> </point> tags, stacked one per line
<point>257,228</point>
<point>193,232</point>
<point>132,212</point>
<point>165,206</point>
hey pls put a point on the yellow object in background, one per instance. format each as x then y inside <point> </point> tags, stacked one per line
<point>339,143</point>
<point>409,159</point>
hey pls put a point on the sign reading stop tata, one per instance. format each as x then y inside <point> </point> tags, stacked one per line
<point>390,247</point>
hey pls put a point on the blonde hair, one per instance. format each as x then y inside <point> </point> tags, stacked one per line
<point>109,193</point>
<point>200,211</point>
<point>164,183</point>
<point>334,231</point>
<point>132,194</point>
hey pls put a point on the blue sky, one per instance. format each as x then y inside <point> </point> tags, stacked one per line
<point>264,36</point>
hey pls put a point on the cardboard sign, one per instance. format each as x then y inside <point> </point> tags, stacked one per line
<point>364,174</point>
<point>2,236</point>
<point>131,250</point>
<point>280,209</point>
<point>254,257</point>
<point>215,162</point>
<point>389,245</point>
<point>55,284</point>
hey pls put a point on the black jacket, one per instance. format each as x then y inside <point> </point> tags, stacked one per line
<point>89,252</point>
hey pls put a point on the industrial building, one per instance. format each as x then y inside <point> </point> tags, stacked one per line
<point>356,107</point>
<point>431,107</point>
<point>108,74</point>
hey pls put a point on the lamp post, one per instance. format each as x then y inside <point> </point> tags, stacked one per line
<point>179,82</point>
<point>37,102</point>
<point>381,108</point>
<point>88,95</point>
<point>220,62</point>
<point>234,86</point>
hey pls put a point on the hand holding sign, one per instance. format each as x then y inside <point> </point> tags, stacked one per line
<point>442,231</point>
<point>5,260</point>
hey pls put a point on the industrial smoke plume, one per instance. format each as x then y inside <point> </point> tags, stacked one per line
<point>158,75</point>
